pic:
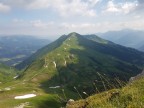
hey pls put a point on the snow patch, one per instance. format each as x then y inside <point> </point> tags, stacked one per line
<point>55,87</point>
<point>16,77</point>
<point>25,96</point>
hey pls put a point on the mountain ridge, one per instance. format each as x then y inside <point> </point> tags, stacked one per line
<point>73,67</point>
<point>74,60</point>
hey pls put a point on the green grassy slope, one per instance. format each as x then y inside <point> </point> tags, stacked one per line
<point>7,73</point>
<point>20,88</point>
<point>130,96</point>
<point>41,52</point>
<point>76,61</point>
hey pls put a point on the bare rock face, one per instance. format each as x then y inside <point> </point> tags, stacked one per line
<point>142,73</point>
<point>136,77</point>
<point>70,102</point>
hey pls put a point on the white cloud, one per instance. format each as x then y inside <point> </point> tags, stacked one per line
<point>136,24</point>
<point>18,20</point>
<point>90,28</point>
<point>17,3</point>
<point>75,18</point>
<point>4,8</point>
<point>128,6</point>
<point>76,7</point>
<point>85,28</point>
<point>140,6</point>
<point>39,4</point>
<point>111,7</point>
<point>123,8</point>
<point>33,23</point>
<point>40,24</point>
<point>65,7</point>
<point>39,27</point>
<point>93,2</point>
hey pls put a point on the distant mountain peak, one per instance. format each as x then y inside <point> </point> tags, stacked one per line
<point>97,39</point>
<point>73,34</point>
<point>126,37</point>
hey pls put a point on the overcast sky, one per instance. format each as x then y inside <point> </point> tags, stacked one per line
<point>56,17</point>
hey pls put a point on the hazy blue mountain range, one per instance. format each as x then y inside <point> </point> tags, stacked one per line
<point>14,49</point>
<point>141,48</point>
<point>126,37</point>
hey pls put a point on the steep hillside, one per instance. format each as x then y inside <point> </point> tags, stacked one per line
<point>41,52</point>
<point>6,73</point>
<point>74,60</point>
<point>130,96</point>
<point>15,49</point>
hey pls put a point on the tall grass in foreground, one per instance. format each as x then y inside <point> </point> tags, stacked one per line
<point>130,96</point>
<point>107,85</point>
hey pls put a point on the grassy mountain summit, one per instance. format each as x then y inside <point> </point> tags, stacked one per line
<point>76,61</point>
<point>41,52</point>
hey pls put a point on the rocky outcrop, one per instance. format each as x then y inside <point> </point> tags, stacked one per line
<point>136,77</point>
